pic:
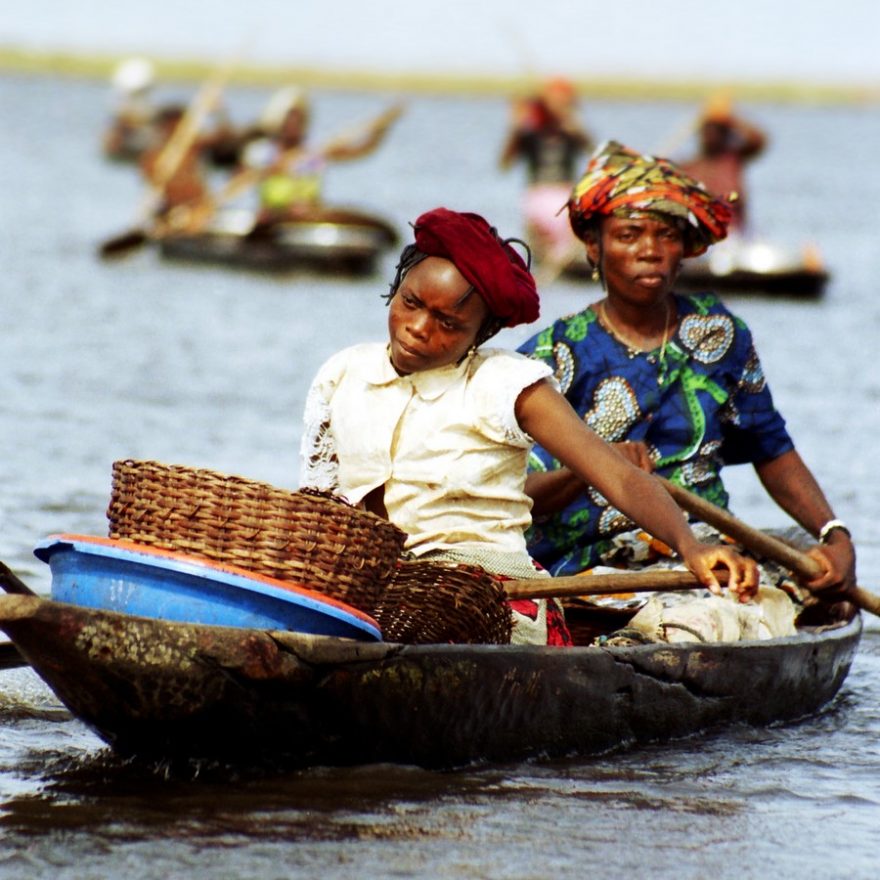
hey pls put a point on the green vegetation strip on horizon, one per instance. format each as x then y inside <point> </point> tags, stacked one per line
<point>70,64</point>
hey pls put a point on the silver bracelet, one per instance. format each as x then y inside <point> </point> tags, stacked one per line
<point>829,527</point>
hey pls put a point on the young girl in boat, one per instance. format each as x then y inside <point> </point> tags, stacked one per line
<point>673,381</point>
<point>433,431</point>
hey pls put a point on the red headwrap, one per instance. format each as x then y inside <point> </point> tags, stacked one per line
<point>498,273</point>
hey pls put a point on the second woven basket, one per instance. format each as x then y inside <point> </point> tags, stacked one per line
<point>430,603</point>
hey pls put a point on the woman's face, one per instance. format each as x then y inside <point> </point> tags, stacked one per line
<point>639,256</point>
<point>293,129</point>
<point>431,321</point>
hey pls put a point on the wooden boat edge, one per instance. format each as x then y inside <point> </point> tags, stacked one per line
<point>338,239</point>
<point>322,700</point>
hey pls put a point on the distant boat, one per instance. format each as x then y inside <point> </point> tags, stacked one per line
<point>755,265</point>
<point>745,266</point>
<point>738,264</point>
<point>342,240</point>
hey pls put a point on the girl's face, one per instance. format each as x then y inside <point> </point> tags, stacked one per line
<point>640,256</point>
<point>432,320</point>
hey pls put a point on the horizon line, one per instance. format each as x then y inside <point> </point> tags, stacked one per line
<point>101,65</point>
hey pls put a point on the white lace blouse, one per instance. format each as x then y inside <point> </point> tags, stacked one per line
<point>444,443</point>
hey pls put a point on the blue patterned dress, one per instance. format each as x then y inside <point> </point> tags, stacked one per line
<point>699,403</point>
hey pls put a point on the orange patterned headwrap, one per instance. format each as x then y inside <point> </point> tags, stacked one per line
<point>620,182</point>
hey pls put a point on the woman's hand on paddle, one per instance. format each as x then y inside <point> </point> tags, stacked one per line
<point>793,487</point>
<point>838,561</point>
<point>743,571</point>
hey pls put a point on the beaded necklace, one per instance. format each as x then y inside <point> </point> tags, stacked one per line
<point>622,336</point>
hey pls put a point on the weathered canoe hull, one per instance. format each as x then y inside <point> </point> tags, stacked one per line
<point>330,240</point>
<point>796,283</point>
<point>164,690</point>
<point>745,267</point>
<point>754,265</point>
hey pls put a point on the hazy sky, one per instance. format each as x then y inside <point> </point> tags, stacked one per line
<point>819,41</point>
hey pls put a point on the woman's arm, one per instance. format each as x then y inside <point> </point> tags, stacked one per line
<point>544,414</point>
<point>361,142</point>
<point>793,487</point>
<point>749,139</point>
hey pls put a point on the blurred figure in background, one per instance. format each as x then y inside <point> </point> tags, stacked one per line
<point>287,172</point>
<point>727,143</point>
<point>131,127</point>
<point>138,125</point>
<point>546,135</point>
<point>176,174</point>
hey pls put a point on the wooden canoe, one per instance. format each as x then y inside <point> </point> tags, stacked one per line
<point>756,266</point>
<point>178,691</point>
<point>340,240</point>
<point>747,267</point>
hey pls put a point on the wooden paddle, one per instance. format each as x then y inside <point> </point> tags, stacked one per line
<point>763,544</point>
<point>168,162</point>
<point>662,580</point>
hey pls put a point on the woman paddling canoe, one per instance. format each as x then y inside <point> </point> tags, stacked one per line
<point>674,382</point>
<point>433,431</point>
<point>287,171</point>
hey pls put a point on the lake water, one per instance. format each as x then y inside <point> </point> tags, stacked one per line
<point>200,366</point>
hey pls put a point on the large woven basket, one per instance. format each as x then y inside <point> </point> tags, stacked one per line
<point>315,539</point>
<point>431,603</point>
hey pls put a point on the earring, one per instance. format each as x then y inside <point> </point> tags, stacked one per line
<point>595,275</point>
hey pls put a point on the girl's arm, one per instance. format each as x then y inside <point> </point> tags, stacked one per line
<point>319,465</point>
<point>544,414</point>
<point>553,490</point>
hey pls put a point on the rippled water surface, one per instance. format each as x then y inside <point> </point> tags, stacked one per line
<point>200,366</point>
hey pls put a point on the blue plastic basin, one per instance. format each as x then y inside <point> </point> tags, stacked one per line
<point>134,579</point>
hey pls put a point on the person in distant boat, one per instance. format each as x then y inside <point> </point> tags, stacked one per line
<point>727,144</point>
<point>546,134</point>
<point>139,123</point>
<point>673,382</point>
<point>288,172</point>
<point>185,202</point>
<point>130,130</point>
<point>433,431</point>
